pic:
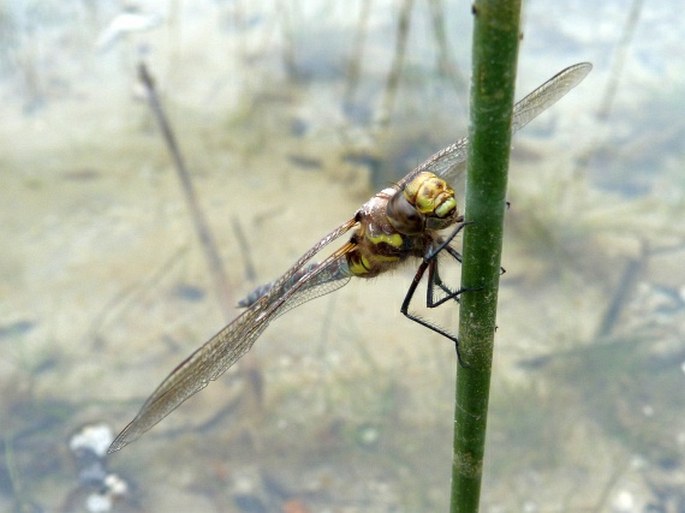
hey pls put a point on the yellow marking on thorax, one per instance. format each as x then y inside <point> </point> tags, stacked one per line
<point>394,239</point>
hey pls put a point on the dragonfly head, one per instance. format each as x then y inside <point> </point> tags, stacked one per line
<point>426,202</point>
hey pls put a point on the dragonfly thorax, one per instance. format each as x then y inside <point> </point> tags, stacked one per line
<point>427,202</point>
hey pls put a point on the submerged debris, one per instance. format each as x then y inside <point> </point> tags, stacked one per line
<point>102,487</point>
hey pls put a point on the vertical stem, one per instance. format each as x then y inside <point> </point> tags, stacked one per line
<point>495,47</point>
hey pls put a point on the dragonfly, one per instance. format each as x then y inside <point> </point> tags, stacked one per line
<point>397,224</point>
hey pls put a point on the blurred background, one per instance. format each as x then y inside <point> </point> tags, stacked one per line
<point>291,114</point>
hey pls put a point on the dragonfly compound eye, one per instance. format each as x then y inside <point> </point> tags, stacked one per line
<point>403,215</point>
<point>431,196</point>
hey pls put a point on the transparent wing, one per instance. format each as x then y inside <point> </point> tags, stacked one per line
<point>548,94</point>
<point>450,162</point>
<point>225,348</point>
<point>263,289</point>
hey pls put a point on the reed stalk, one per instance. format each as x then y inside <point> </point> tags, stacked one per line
<point>495,49</point>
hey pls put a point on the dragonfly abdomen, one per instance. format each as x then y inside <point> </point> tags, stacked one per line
<point>370,264</point>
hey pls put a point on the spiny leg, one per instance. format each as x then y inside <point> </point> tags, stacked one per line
<point>433,272</point>
<point>434,280</point>
<point>430,262</point>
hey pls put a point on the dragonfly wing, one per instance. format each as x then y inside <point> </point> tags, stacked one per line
<point>195,372</point>
<point>548,94</point>
<point>225,348</point>
<point>450,162</point>
<point>322,279</point>
<point>264,289</point>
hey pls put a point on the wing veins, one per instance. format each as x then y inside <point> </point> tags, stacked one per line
<point>450,162</point>
<point>221,351</point>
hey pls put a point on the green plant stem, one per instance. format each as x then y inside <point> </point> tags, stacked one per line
<point>495,47</point>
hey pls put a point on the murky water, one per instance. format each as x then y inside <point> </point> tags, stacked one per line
<point>287,123</point>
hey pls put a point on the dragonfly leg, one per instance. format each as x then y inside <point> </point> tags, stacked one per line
<point>445,243</point>
<point>434,275</point>
<point>430,262</point>
<point>434,280</point>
